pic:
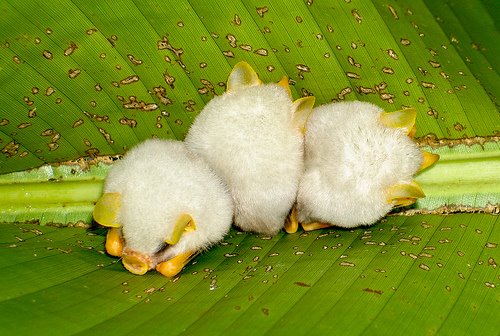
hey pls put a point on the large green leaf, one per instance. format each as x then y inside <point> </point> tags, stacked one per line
<point>83,81</point>
<point>85,78</point>
<point>407,275</point>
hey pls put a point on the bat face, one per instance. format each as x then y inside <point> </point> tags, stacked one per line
<point>163,205</point>
<point>359,164</point>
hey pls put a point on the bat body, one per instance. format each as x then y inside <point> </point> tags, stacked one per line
<point>251,136</point>
<point>163,204</point>
<point>359,164</point>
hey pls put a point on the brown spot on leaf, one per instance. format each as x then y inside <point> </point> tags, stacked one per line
<point>365,90</point>
<point>393,12</point>
<point>345,91</point>
<point>169,79</point>
<point>357,16</point>
<point>261,11</point>
<point>301,284</point>
<point>405,41</point>
<point>134,60</point>
<point>428,85</point>
<point>161,94</point>
<point>24,125</point>
<point>129,80</point>
<point>387,70</point>
<point>128,122</point>
<point>73,73</point>
<point>10,149</point>
<point>106,136</point>
<point>392,54</point>
<point>261,52</point>
<point>232,40</point>
<point>352,62</point>
<point>133,104</point>
<point>50,90</point>
<point>47,54</point>
<point>246,47</point>
<point>71,49</point>
<point>375,291</point>
<point>237,20</point>
<point>352,75</point>
<point>77,123</point>
<point>435,64</point>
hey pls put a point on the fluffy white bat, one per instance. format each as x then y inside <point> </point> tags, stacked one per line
<point>252,136</point>
<point>163,205</point>
<point>359,164</point>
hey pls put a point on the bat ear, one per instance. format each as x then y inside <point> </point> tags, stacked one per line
<point>303,108</point>
<point>403,119</point>
<point>285,85</point>
<point>107,208</point>
<point>403,194</point>
<point>185,223</point>
<point>428,159</point>
<point>241,76</point>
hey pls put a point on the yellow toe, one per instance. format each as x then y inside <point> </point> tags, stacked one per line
<point>172,267</point>
<point>114,242</point>
<point>292,223</point>
<point>314,226</point>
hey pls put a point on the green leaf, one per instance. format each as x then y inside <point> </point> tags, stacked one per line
<point>83,81</point>
<point>413,275</point>
<point>87,78</point>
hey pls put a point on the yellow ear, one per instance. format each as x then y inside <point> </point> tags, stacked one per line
<point>106,209</point>
<point>241,76</point>
<point>404,119</point>
<point>403,194</point>
<point>284,84</point>
<point>428,159</point>
<point>185,223</point>
<point>303,108</point>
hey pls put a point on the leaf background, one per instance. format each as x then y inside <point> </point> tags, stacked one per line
<point>84,80</point>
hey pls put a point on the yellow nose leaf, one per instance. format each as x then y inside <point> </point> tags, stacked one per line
<point>241,76</point>
<point>428,159</point>
<point>107,208</point>
<point>404,119</point>
<point>404,194</point>
<point>185,223</point>
<point>114,242</point>
<point>136,265</point>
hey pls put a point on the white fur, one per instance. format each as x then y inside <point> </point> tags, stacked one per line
<point>248,137</point>
<point>350,160</point>
<point>159,180</point>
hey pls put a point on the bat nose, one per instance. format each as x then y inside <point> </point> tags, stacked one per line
<point>136,263</point>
